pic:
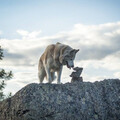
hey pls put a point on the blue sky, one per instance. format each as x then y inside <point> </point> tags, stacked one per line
<point>28,26</point>
<point>52,16</point>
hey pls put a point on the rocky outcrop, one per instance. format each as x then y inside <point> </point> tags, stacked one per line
<point>70,101</point>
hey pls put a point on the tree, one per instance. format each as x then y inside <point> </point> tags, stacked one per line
<point>3,76</point>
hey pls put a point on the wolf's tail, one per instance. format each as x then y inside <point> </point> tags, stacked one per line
<point>41,71</point>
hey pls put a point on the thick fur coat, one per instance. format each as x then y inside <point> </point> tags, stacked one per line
<point>53,59</point>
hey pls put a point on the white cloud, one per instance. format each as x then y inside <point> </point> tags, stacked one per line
<point>110,62</point>
<point>92,40</point>
<point>23,32</point>
<point>117,75</point>
<point>99,51</point>
<point>28,35</point>
<point>24,75</point>
<point>88,78</point>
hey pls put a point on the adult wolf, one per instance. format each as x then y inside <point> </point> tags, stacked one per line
<point>53,59</point>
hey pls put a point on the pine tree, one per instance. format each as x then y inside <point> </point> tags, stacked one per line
<point>3,76</point>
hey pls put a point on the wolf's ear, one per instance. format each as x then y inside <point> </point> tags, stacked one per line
<point>61,57</point>
<point>76,50</point>
<point>58,43</point>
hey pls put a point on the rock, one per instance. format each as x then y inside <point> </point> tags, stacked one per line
<point>70,101</point>
<point>77,79</point>
<point>76,75</point>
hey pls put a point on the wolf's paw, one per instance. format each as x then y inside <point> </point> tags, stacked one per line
<point>59,83</point>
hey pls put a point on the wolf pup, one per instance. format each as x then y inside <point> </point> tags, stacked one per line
<point>53,59</point>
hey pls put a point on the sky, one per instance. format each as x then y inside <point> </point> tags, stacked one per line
<point>27,27</point>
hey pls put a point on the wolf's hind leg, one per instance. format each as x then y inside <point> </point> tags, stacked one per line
<point>53,76</point>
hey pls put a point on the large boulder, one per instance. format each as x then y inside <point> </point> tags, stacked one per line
<point>70,101</point>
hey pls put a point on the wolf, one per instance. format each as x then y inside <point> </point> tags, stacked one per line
<point>53,59</point>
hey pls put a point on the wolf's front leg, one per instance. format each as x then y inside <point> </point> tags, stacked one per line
<point>48,74</point>
<point>59,72</point>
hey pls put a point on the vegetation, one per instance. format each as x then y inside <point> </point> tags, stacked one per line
<point>3,76</point>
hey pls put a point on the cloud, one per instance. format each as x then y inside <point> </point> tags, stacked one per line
<point>25,34</point>
<point>111,62</point>
<point>99,53</point>
<point>24,75</point>
<point>23,52</point>
<point>99,49</point>
<point>95,42</point>
<point>117,75</point>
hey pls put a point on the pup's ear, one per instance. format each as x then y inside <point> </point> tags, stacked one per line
<point>61,57</point>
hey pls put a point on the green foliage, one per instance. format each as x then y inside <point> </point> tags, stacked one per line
<point>3,76</point>
<point>2,96</point>
<point>2,86</point>
<point>1,53</point>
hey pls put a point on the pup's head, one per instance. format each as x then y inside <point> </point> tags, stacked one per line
<point>67,57</point>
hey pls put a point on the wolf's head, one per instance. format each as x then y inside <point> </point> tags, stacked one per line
<point>67,57</point>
